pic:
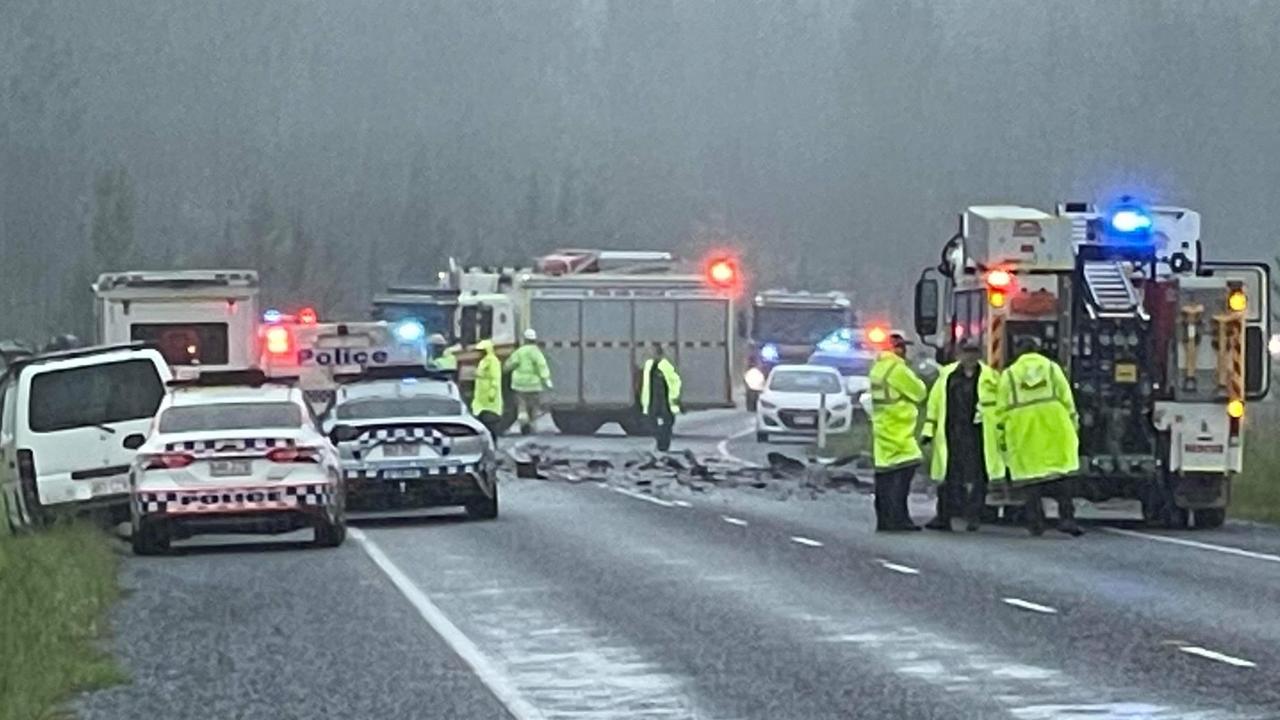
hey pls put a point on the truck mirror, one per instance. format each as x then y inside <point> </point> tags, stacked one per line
<point>926,311</point>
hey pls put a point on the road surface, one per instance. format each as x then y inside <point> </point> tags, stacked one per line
<point>594,601</point>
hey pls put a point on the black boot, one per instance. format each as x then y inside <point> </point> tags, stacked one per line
<point>1070,527</point>
<point>939,523</point>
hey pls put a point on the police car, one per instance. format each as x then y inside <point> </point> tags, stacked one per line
<point>407,442</point>
<point>234,452</point>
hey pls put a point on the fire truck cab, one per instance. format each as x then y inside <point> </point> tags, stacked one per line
<point>1163,348</point>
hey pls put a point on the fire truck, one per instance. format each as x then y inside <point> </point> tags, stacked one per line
<point>786,327</point>
<point>597,313</point>
<point>1164,348</point>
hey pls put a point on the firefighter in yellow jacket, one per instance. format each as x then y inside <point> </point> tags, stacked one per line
<point>486,397</point>
<point>960,421</point>
<point>1038,431</point>
<point>896,393</point>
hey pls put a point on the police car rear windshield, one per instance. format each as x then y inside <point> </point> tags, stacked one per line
<point>796,326</point>
<point>804,381</point>
<point>231,416</point>
<point>376,408</point>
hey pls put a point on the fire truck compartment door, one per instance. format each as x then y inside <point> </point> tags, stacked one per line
<point>1256,279</point>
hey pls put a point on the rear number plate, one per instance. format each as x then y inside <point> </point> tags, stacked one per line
<point>400,450</point>
<point>402,474</point>
<point>229,468</point>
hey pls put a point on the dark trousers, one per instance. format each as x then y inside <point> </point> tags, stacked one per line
<point>1061,490</point>
<point>958,497</point>
<point>892,488</point>
<point>663,425</point>
<point>491,422</point>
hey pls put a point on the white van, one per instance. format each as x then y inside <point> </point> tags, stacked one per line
<point>69,424</point>
<point>197,318</point>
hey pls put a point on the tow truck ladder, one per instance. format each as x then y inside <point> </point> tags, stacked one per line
<point>1111,294</point>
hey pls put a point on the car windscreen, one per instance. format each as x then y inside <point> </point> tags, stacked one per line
<point>375,408</point>
<point>231,416</point>
<point>795,326</point>
<point>185,343</point>
<point>94,395</point>
<point>804,381</point>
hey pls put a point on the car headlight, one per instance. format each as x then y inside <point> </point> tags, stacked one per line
<point>768,405</point>
<point>755,379</point>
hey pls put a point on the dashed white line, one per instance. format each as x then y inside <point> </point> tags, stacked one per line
<point>810,542</point>
<point>1220,657</point>
<point>895,567</point>
<point>1028,605</point>
<point>642,496</point>
<point>734,521</point>
<point>497,681</point>
<point>1225,549</point>
<point>682,503</point>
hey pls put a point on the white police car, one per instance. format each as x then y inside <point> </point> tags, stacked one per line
<point>234,452</point>
<point>407,442</point>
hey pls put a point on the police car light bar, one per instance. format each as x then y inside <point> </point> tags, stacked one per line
<point>252,377</point>
<point>394,372</point>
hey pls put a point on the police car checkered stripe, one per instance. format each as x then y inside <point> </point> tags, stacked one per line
<point>398,435</point>
<point>240,444</point>
<point>427,471</point>
<point>215,500</point>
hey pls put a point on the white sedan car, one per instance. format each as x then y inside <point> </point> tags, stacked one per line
<point>231,452</point>
<point>790,402</point>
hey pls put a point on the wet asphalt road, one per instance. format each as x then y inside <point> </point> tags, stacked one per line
<point>585,601</point>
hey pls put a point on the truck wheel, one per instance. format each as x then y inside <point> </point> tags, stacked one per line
<point>1209,518</point>
<point>485,509</point>
<point>635,425</point>
<point>149,538</point>
<point>575,423</point>
<point>753,400</point>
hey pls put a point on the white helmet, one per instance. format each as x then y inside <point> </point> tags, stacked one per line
<point>531,335</point>
<point>437,339</point>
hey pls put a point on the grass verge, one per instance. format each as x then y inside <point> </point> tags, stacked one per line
<point>1255,493</point>
<point>856,441</point>
<point>55,589</point>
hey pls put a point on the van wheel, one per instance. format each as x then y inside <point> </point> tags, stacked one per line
<point>330,534</point>
<point>31,515</point>
<point>149,538</point>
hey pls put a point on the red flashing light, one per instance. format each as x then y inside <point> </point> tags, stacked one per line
<point>999,279</point>
<point>293,455</point>
<point>722,273</point>
<point>877,335</point>
<point>278,341</point>
<point>308,316</point>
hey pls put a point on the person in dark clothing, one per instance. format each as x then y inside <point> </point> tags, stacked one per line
<point>660,396</point>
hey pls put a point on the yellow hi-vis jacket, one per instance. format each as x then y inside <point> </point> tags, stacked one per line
<point>935,422</point>
<point>896,393</point>
<point>528,368</point>
<point>1037,416</point>
<point>448,359</point>
<point>672,378</point>
<point>487,395</point>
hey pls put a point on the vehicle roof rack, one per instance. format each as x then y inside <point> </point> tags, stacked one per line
<point>251,377</point>
<point>395,372</point>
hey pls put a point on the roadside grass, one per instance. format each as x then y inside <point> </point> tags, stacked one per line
<point>1255,493</point>
<point>55,588</point>
<point>853,442</point>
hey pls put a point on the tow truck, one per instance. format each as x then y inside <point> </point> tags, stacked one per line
<point>597,313</point>
<point>785,327</point>
<point>1164,348</point>
<point>197,318</point>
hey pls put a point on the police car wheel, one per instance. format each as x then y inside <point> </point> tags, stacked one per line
<point>486,509</point>
<point>149,538</point>
<point>330,534</point>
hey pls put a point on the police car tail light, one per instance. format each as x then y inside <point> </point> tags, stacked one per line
<point>294,455</point>
<point>278,340</point>
<point>169,461</point>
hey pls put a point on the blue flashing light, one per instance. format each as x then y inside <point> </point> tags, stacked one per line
<point>410,331</point>
<point>271,316</point>
<point>409,381</point>
<point>769,353</point>
<point>1129,221</point>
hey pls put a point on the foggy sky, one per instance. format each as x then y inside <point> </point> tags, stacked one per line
<point>834,142</point>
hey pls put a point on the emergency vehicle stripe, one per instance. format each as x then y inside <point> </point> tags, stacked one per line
<point>427,471</point>
<point>995,341</point>
<point>1236,335</point>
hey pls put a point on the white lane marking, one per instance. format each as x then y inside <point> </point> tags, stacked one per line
<point>642,496</point>
<point>1028,605</point>
<point>895,567</point>
<point>682,503</point>
<point>805,541</point>
<point>497,681</point>
<point>723,447</point>
<point>734,521</point>
<point>1220,657</point>
<point>1225,549</point>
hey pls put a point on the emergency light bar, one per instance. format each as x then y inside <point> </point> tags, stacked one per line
<point>252,377</point>
<point>395,372</point>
